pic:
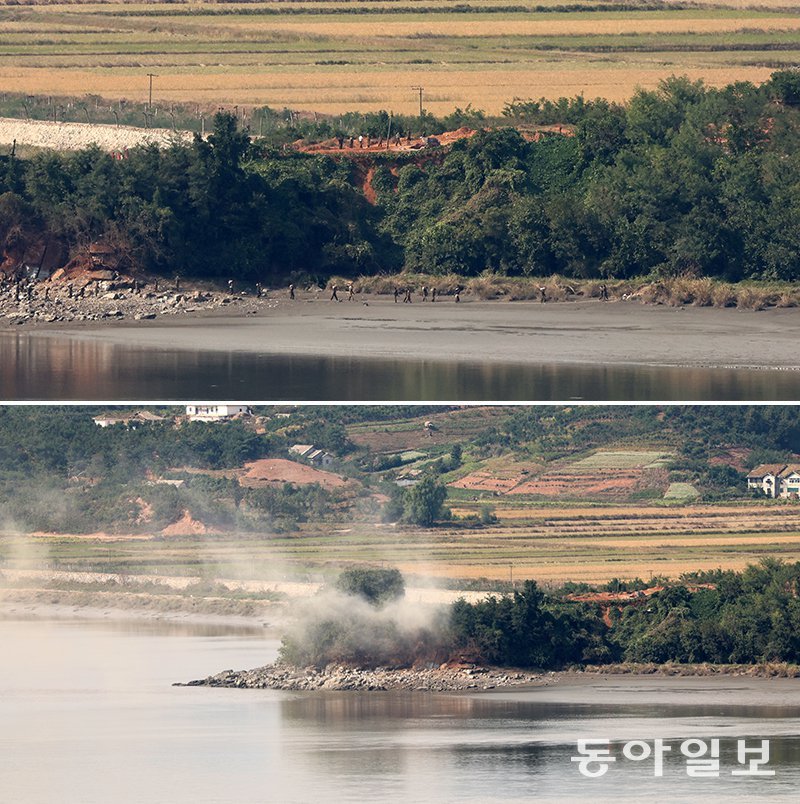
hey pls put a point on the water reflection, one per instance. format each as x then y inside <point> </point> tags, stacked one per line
<point>89,715</point>
<point>42,367</point>
<point>456,746</point>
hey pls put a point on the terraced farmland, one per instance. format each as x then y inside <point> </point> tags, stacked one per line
<point>604,475</point>
<point>363,55</point>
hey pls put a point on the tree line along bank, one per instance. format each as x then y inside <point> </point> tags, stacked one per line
<point>685,180</point>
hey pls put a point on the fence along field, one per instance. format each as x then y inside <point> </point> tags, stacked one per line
<point>332,57</point>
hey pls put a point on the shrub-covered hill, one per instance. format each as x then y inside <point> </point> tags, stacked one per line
<point>683,180</point>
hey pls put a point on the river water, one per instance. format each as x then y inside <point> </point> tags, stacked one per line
<point>88,714</point>
<point>39,367</point>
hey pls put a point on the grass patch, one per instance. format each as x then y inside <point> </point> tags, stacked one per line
<point>681,491</point>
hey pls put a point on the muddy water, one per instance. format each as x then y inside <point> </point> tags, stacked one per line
<point>88,714</point>
<point>37,367</point>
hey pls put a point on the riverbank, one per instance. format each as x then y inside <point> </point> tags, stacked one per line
<point>95,604</point>
<point>338,677</point>
<point>60,609</point>
<point>462,678</point>
<point>495,333</point>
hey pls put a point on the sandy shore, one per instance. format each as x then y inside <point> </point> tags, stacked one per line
<point>584,332</point>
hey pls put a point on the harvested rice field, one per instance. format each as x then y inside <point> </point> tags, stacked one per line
<point>550,544</point>
<point>365,55</point>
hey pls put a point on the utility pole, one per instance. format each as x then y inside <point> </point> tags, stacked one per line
<point>151,76</point>
<point>419,89</point>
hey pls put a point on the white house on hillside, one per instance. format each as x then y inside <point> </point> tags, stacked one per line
<point>215,413</point>
<point>776,479</point>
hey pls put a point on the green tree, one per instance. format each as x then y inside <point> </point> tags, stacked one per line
<point>424,502</point>
<point>376,586</point>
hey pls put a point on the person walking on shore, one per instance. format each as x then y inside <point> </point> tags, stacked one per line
<point>542,294</point>
<point>396,294</point>
<point>425,293</point>
<point>433,295</point>
<point>335,293</point>
<point>291,291</point>
<point>350,292</point>
<point>230,286</point>
<point>458,295</point>
<point>407,299</point>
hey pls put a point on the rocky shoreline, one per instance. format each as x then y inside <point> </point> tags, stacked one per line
<point>337,677</point>
<point>106,300</point>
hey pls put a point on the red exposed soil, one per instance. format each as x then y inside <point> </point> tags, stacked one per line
<point>271,471</point>
<point>331,146</point>
<point>608,484</point>
<point>734,457</point>
<point>368,189</point>
<point>614,597</point>
<point>609,600</point>
<point>186,526</point>
<point>483,481</point>
<point>560,485</point>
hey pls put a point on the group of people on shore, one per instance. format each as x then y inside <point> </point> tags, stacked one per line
<point>21,289</point>
<point>433,293</point>
<point>427,293</point>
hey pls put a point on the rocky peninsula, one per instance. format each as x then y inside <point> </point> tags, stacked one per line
<point>444,678</point>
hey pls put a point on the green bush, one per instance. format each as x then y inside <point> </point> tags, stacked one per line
<point>376,586</point>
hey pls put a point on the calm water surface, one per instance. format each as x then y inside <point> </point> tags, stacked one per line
<point>89,715</point>
<point>36,367</point>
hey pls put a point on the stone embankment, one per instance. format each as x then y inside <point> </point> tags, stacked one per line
<point>337,677</point>
<point>52,303</point>
<point>74,136</point>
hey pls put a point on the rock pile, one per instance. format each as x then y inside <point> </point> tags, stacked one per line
<point>337,677</point>
<point>57,302</point>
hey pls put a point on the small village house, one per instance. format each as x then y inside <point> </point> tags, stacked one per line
<point>776,480</point>
<point>316,457</point>
<point>129,419</point>
<point>215,413</point>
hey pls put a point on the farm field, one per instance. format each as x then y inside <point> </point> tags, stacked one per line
<point>550,544</point>
<point>335,56</point>
<point>604,475</point>
<point>411,433</point>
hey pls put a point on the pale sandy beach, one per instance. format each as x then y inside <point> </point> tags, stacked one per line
<point>587,332</point>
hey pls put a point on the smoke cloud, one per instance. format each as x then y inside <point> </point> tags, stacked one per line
<point>336,628</point>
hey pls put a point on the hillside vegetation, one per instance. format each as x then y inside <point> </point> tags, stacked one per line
<point>683,181</point>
